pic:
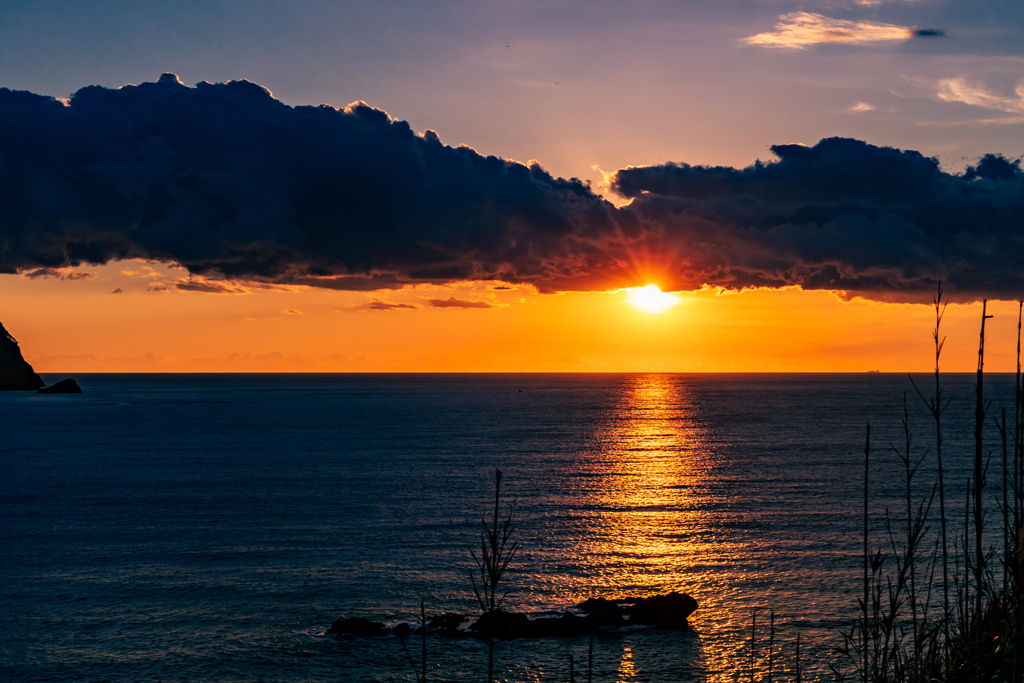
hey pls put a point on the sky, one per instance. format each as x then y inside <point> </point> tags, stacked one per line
<point>490,180</point>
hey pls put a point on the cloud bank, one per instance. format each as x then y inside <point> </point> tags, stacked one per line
<point>226,179</point>
<point>842,215</point>
<point>245,191</point>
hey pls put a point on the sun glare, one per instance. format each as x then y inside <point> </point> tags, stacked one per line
<point>650,299</point>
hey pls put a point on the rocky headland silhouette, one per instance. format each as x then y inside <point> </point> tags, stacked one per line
<point>15,372</point>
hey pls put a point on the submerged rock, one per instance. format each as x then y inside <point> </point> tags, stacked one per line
<point>566,625</point>
<point>65,386</point>
<point>15,372</point>
<point>501,625</point>
<point>357,626</point>
<point>591,604</point>
<point>446,623</point>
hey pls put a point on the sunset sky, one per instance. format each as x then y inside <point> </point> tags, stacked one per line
<point>515,171</point>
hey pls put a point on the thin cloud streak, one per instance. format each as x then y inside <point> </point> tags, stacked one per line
<point>962,90</point>
<point>452,302</point>
<point>378,305</point>
<point>799,30</point>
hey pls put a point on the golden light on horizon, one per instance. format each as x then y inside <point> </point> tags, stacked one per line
<point>650,299</point>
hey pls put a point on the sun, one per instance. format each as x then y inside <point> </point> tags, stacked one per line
<point>650,299</point>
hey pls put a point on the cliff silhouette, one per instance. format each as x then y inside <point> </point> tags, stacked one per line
<point>15,372</point>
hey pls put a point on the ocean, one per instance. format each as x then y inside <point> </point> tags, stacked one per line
<point>211,527</point>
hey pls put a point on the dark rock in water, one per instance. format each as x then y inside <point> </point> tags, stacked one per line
<point>592,604</point>
<point>401,630</point>
<point>502,625</point>
<point>357,626</point>
<point>565,625</point>
<point>65,386</point>
<point>15,372</point>
<point>446,623</point>
<point>663,611</point>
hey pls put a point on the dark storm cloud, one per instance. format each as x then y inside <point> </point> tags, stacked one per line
<point>842,215</point>
<point>226,179</point>
<point>452,302</point>
<point>930,33</point>
<point>238,187</point>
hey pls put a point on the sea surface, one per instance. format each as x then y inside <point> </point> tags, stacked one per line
<point>211,527</point>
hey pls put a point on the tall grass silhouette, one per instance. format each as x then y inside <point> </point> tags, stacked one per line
<point>907,632</point>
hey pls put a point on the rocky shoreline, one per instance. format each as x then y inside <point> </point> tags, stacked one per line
<point>668,611</point>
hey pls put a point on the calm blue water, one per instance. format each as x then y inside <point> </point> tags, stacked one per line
<point>210,527</point>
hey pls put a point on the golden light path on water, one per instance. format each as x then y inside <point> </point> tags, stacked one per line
<point>658,522</point>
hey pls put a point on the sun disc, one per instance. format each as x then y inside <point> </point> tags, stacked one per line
<point>650,299</point>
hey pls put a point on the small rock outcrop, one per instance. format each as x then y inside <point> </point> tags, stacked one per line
<point>663,611</point>
<point>15,372</point>
<point>357,626</point>
<point>65,386</point>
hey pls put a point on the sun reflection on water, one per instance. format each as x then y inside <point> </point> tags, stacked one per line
<point>652,533</point>
<point>626,671</point>
<point>653,456</point>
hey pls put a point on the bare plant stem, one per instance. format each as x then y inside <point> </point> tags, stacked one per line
<point>1006,508</point>
<point>798,672</point>
<point>496,552</point>
<point>940,310</point>
<point>979,481</point>
<point>867,458</point>
<point>753,642</point>
<point>967,555</point>
<point>1018,443</point>
<point>936,405</point>
<point>590,660</point>
<point>911,532</point>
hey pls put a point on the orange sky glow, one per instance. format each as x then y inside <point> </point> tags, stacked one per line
<point>77,325</point>
<point>785,148</point>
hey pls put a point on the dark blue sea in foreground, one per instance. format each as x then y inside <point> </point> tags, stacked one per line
<point>211,527</point>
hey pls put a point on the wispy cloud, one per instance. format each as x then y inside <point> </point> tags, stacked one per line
<point>378,305</point>
<point>58,273</point>
<point>291,311</point>
<point>200,284</point>
<point>860,107</point>
<point>961,90</point>
<point>800,29</point>
<point>452,302</point>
